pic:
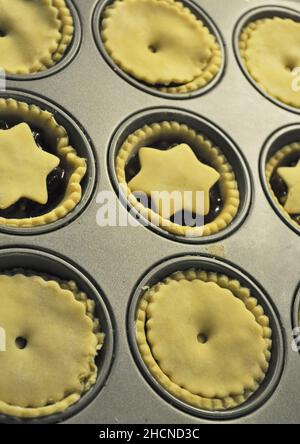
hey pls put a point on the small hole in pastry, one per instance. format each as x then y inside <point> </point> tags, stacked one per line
<point>21,343</point>
<point>153,48</point>
<point>290,67</point>
<point>202,338</point>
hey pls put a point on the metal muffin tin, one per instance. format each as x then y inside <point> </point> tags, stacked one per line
<point>280,138</point>
<point>262,249</point>
<point>162,271</point>
<point>77,139</point>
<point>200,13</point>
<point>251,16</point>
<point>68,56</point>
<point>45,263</point>
<point>202,126</point>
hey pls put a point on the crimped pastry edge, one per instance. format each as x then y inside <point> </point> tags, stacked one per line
<point>67,21</point>
<point>271,166</point>
<point>89,306</point>
<point>244,38</point>
<point>76,164</point>
<point>66,30</point>
<point>228,181</point>
<point>209,404</point>
<point>211,70</point>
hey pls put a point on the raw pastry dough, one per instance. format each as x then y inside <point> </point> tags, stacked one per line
<point>204,338</point>
<point>291,176</point>
<point>182,134</point>
<point>208,74</point>
<point>176,170</point>
<point>161,43</point>
<point>274,164</point>
<point>270,51</point>
<point>23,167</point>
<point>34,34</point>
<point>76,167</point>
<point>61,337</point>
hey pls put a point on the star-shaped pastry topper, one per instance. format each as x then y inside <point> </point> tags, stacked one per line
<point>173,178</point>
<point>291,176</point>
<point>23,167</point>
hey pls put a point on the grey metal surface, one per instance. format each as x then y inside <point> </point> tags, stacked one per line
<point>117,258</point>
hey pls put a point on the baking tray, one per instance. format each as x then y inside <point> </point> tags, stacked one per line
<point>99,104</point>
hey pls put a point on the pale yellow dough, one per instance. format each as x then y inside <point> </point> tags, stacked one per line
<point>291,175</point>
<point>23,167</point>
<point>176,170</point>
<point>76,168</point>
<point>185,171</point>
<point>208,74</point>
<point>58,363</point>
<point>35,34</point>
<point>270,51</point>
<point>159,42</point>
<point>204,338</point>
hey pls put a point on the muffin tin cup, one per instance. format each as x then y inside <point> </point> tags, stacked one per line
<point>251,16</point>
<point>206,263</point>
<point>67,58</point>
<point>43,262</point>
<point>279,139</point>
<point>295,318</point>
<point>210,131</point>
<point>83,146</point>
<point>200,14</point>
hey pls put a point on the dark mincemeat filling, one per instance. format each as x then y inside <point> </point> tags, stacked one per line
<point>278,185</point>
<point>216,202</point>
<point>56,183</point>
